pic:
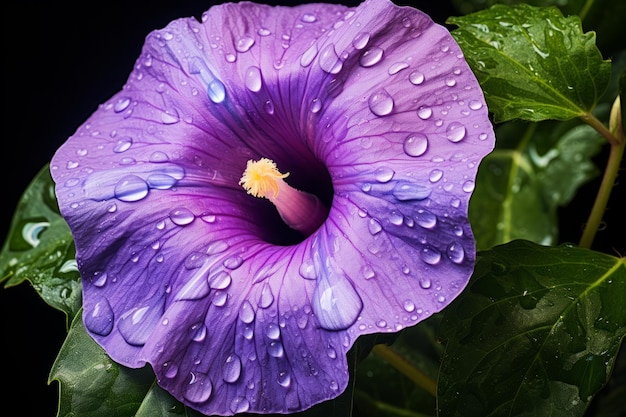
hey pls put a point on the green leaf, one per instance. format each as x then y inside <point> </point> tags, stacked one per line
<point>39,248</point>
<point>534,169</point>
<point>536,332</point>
<point>532,63</point>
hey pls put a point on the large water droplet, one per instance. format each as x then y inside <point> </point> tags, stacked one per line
<point>123,144</point>
<point>435,175</point>
<point>416,78</point>
<point>181,216</point>
<point>374,226</point>
<point>309,55</point>
<point>272,331</point>
<point>371,57</point>
<point>415,144</point>
<point>329,60</point>
<point>384,174</point>
<point>239,405</point>
<point>468,186</point>
<point>246,312</point>
<point>100,319</point>
<point>361,40</point>
<point>456,253</point>
<point>131,188</point>
<point>455,132</point>
<point>275,349</point>
<point>424,113</point>
<point>308,18</point>
<point>425,218</point>
<point>406,191</point>
<point>231,370</point>
<point>220,280</point>
<point>267,297</point>
<point>199,389</point>
<point>431,255</point>
<point>216,91</point>
<point>284,379</point>
<point>198,332</point>
<point>381,103</point>
<point>244,44</point>
<point>233,262</point>
<point>253,79</point>
<point>138,323</point>
<point>121,104</point>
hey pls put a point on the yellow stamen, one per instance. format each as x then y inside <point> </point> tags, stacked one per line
<point>261,178</point>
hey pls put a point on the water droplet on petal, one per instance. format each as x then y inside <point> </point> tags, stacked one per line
<point>284,379</point>
<point>275,349</point>
<point>435,175</point>
<point>231,370</point>
<point>244,44</point>
<point>416,144</point>
<point>416,78</point>
<point>371,57</point>
<point>316,105</point>
<point>397,67</point>
<point>374,226</point>
<point>246,312</point>
<point>426,219</point>
<point>307,270</point>
<point>171,369</point>
<point>198,332</point>
<point>456,253</point>
<point>272,331</point>
<point>131,188</point>
<point>475,105</point>
<point>121,104</point>
<point>199,389</point>
<point>424,113</point>
<point>409,306</point>
<point>239,405</point>
<point>381,103</point>
<point>220,280</point>
<point>309,55</point>
<point>329,60</point>
<point>233,262</point>
<point>100,319</point>
<point>253,79</point>
<point>455,132</point>
<point>361,40</point>
<point>181,217</point>
<point>426,283</point>
<point>468,186</point>
<point>267,297</point>
<point>123,144</point>
<point>308,18</point>
<point>384,174</point>
<point>406,191</point>
<point>431,255</point>
<point>216,91</point>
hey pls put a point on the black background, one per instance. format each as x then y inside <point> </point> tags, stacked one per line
<point>60,62</point>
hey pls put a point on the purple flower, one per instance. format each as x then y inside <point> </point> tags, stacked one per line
<point>379,123</point>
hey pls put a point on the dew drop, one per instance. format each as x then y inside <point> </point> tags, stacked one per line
<point>406,191</point>
<point>219,298</point>
<point>181,216</point>
<point>361,40</point>
<point>121,104</point>
<point>244,44</point>
<point>216,91</point>
<point>371,57</point>
<point>309,55</point>
<point>199,389</point>
<point>374,226</point>
<point>425,218</point>
<point>198,332</point>
<point>397,67</point>
<point>275,349</point>
<point>267,297</point>
<point>272,331</point>
<point>100,319</point>
<point>329,60</point>
<point>316,105</point>
<point>424,113</point>
<point>246,312</point>
<point>425,283</point>
<point>431,255</point>
<point>381,103</point>
<point>269,107</point>
<point>231,370</point>
<point>384,174</point>
<point>475,105</point>
<point>171,369</point>
<point>455,132</point>
<point>308,18</point>
<point>131,188</point>
<point>239,405</point>
<point>409,306</point>
<point>416,78</point>
<point>415,144</point>
<point>456,253</point>
<point>307,270</point>
<point>468,186</point>
<point>123,144</point>
<point>435,175</point>
<point>253,79</point>
<point>220,280</point>
<point>233,262</point>
<point>284,379</point>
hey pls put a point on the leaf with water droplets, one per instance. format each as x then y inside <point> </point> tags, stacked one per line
<point>520,184</point>
<point>533,63</point>
<point>39,248</point>
<point>536,332</point>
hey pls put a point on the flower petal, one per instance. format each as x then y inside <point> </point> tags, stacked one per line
<point>180,268</point>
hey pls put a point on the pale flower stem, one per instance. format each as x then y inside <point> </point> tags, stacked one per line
<point>608,179</point>
<point>406,368</point>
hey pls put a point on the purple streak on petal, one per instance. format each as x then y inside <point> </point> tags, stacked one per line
<point>177,262</point>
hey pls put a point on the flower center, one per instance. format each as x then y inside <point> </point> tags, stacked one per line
<point>300,210</point>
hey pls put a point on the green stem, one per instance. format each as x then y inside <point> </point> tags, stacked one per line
<point>406,368</point>
<point>592,121</point>
<point>610,175</point>
<point>585,9</point>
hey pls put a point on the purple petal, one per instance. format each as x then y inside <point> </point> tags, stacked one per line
<point>373,109</point>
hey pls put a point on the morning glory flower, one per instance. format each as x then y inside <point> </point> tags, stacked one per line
<point>270,184</point>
